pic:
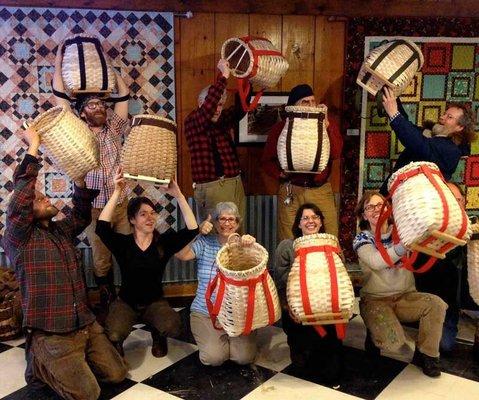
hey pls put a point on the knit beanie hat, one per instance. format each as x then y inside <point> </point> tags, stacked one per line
<point>299,92</point>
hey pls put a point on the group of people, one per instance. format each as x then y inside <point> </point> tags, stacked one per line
<point>70,351</point>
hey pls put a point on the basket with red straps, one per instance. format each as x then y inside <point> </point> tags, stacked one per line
<point>242,296</point>
<point>254,60</point>
<point>473,263</point>
<point>319,290</point>
<point>427,216</point>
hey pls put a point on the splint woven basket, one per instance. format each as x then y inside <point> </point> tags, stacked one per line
<point>150,149</point>
<point>427,216</point>
<point>319,289</point>
<point>303,145</point>
<point>393,64</point>
<point>68,140</point>
<point>254,60</point>
<point>246,297</point>
<point>85,67</point>
<point>473,263</point>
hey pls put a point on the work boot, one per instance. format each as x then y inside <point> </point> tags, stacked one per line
<point>160,345</point>
<point>431,366</point>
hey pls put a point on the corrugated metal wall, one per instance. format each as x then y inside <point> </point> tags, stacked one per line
<point>260,223</point>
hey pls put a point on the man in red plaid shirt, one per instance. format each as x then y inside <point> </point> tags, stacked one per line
<point>108,131</point>
<point>64,342</point>
<point>214,163</point>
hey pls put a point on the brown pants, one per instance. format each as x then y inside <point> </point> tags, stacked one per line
<point>322,196</point>
<point>102,261</point>
<point>71,363</point>
<point>207,195</point>
<point>383,318</point>
<point>159,315</point>
<point>215,346</point>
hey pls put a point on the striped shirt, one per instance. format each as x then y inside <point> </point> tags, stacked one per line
<point>109,143</point>
<point>205,249</point>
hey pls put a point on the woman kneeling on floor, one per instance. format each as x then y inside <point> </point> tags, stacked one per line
<point>389,296</point>
<point>142,257</point>
<point>215,346</point>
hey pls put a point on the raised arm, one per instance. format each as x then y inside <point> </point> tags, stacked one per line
<point>121,107</point>
<point>187,253</point>
<point>119,182</point>
<point>175,191</point>
<point>57,82</point>
<point>20,207</point>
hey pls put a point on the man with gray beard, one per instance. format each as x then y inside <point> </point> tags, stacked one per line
<point>450,136</point>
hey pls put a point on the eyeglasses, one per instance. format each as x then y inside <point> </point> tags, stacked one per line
<point>93,105</point>
<point>372,207</point>
<point>310,217</point>
<point>230,220</point>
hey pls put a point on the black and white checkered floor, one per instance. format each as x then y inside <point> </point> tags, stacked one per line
<point>180,375</point>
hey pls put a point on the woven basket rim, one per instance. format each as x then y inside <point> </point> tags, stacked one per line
<point>63,110</point>
<point>408,167</point>
<point>253,271</point>
<point>299,242</point>
<point>306,109</point>
<point>250,52</point>
<point>151,116</point>
<point>81,35</point>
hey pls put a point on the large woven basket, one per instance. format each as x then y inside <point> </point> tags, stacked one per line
<point>473,263</point>
<point>303,145</point>
<point>150,149</point>
<point>420,198</point>
<point>256,59</point>
<point>249,300</point>
<point>319,290</point>
<point>393,64</point>
<point>68,140</point>
<point>85,67</point>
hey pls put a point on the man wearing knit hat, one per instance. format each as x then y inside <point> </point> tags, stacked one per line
<point>108,129</point>
<point>297,189</point>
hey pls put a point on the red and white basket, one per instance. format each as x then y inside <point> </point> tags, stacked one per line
<point>319,289</point>
<point>246,297</point>
<point>473,263</point>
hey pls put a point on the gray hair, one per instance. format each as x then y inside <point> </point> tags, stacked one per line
<point>226,207</point>
<point>204,93</point>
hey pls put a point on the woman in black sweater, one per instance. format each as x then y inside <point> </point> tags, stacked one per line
<point>142,257</point>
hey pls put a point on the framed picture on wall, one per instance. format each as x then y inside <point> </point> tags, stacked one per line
<point>256,124</point>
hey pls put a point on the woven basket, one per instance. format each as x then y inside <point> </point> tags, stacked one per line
<point>255,59</point>
<point>150,149</point>
<point>303,145</point>
<point>85,67</point>
<point>10,307</point>
<point>393,64</point>
<point>473,263</point>
<point>245,266</point>
<point>327,305</point>
<point>68,140</point>
<point>418,209</point>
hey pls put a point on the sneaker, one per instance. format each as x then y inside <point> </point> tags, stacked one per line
<point>160,346</point>
<point>431,366</point>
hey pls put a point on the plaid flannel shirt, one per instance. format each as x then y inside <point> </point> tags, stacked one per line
<point>203,136</point>
<point>109,141</point>
<point>47,264</point>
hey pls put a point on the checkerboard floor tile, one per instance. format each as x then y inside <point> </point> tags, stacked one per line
<point>180,375</point>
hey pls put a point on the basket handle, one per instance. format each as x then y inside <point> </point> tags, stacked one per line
<point>234,238</point>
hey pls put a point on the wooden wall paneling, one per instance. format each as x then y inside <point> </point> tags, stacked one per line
<point>298,47</point>
<point>270,27</point>
<point>195,70</point>
<point>328,74</point>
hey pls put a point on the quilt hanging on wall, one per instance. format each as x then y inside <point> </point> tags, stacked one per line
<point>139,44</point>
<point>450,74</point>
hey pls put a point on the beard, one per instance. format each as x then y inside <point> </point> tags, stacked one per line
<point>96,119</point>
<point>439,130</point>
<point>47,213</point>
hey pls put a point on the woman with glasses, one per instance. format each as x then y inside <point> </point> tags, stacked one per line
<point>389,296</point>
<point>313,357</point>
<point>142,257</point>
<point>215,346</point>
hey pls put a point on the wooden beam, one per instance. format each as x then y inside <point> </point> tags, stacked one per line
<point>347,8</point>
